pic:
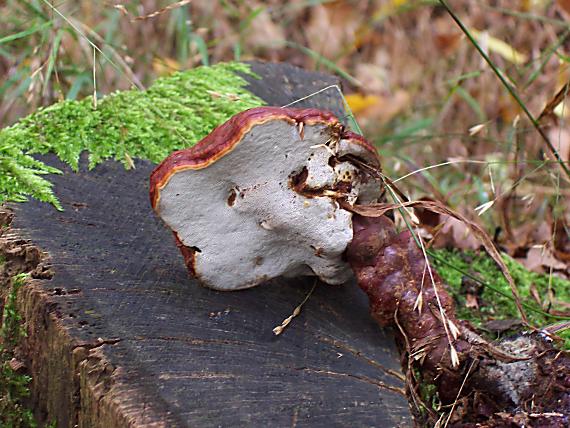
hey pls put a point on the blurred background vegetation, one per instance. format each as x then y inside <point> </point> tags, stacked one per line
<point>443,122</point>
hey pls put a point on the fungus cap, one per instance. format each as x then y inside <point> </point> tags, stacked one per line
<point>257,198</point>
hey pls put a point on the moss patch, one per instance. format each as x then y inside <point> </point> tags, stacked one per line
<point>175,112</point>
<point>495,298</point>
<point>13,386</point>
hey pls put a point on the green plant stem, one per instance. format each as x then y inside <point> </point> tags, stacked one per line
<point>509,88</point>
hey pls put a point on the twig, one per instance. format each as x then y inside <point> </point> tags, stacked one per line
<point>445,321</point>
<point>94,79</point>
<point>280,328</point>
<point>459,393</point>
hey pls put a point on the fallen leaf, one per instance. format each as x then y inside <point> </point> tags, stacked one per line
<point>538,258</point>
<point>358,102</point>
<point>447,231</point>
<point>264,32</point>
<point>565,6</point>
<point>562,240</point>
<point>499,326</point>
<point>471,301</point>
<point>446,36</point>
<point>332,28</point>
<point>165,66</point>
<point>458,234</point>
<point>378,109</point>
<point>535,294</point>
<point>447,42</point>
<point>499,47</point>
<point>375,76</point>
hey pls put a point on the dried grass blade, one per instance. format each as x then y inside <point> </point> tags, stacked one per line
<point>510,89</point>
<point>296,312</point>
<point>161,11</point>
<point>548,111</point>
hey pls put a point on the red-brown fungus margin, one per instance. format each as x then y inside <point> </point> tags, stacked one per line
<point>227,136</point>
<point>300,137</point>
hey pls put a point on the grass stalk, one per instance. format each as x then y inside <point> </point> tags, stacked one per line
<point>508,87</point>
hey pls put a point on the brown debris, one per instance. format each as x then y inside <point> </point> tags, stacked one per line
<point>19,255</point>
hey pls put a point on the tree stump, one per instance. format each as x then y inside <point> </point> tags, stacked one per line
<point>119,335</point>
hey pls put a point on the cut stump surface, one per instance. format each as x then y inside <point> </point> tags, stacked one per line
<point>120,336</point>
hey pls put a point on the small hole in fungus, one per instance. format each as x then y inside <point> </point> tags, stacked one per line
<point>318,251</point>
<point>298,180</point>
<point>196,249</point>
<point>232,197</point>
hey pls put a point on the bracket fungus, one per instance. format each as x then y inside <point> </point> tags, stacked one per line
<point>288,192</point>
<point>257,198</point>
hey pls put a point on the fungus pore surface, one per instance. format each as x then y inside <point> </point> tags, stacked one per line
<point>257,198</point>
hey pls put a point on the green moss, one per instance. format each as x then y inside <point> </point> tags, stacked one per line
<point>496,300</point>
<point>14,387</point>
<point>175,112</point>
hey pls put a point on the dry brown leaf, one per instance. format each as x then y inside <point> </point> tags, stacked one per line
<point>447,231</point>
<point>565,6</point>
<point>378,109</point>
<point>446,36</point>
<point>458,235</point>
<point>375,76</point>
<point>471,301</point>
<point>332,28</point>
<point>535,294</point>
<point>263,32</point>
<point>550,110</point>
<point>540,259</point>
<point>562,240</point>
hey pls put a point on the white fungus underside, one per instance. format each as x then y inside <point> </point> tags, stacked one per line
<point>270,230</point>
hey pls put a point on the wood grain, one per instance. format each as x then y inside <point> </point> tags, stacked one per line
<point>120,336</point>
